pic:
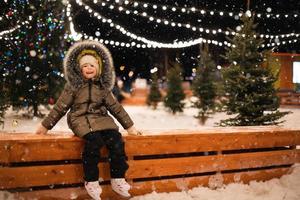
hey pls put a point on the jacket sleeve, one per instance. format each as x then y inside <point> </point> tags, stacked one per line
<point>60,108</point>
<point>117,110</point>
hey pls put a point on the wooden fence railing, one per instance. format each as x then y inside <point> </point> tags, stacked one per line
<point>289,98</point>
<point>49,166</point>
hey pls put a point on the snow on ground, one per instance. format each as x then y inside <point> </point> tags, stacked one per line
<point>153,121</point>
<point>146,119</point>
<point>285,188</point>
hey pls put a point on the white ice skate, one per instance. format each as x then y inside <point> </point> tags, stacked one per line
<point>93,189</point>
<point>120,186</point>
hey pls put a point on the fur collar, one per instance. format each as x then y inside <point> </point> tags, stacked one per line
<point>71,67</point>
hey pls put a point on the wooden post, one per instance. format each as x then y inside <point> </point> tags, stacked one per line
<point>130,158</point>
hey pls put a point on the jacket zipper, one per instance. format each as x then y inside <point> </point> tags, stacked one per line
<point>88,105</point>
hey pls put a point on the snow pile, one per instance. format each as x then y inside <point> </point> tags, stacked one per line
<point>6,196</point>
<point>285,188</point>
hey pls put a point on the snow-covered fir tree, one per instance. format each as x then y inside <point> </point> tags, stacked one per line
<point>203,85</point>
<point>154,95</point>
<point>3,106</point>
<point>175,95</point>
<point>249,87</point>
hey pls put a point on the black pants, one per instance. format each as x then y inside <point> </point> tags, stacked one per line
<point>91,154</point>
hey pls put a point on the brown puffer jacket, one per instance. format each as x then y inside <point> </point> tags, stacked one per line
<point>88,101</point>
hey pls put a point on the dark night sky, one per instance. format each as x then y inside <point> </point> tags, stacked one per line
<point>140,60</point>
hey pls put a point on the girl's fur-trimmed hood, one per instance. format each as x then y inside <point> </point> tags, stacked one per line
<point>73,74</point>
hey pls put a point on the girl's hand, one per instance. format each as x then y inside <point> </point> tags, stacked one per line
<point>132,131</point>
<point>41,130</point>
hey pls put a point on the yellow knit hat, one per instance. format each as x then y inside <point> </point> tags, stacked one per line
<point>95,55</point>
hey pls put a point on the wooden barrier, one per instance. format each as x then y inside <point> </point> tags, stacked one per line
<point>289,98</point>
<point>49,166</point>
<point>138,97</point>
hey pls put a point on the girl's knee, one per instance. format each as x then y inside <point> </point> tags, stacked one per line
<point>116,135</point>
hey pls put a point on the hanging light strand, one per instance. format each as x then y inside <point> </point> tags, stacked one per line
<point>165,22</point>
<point>273,44</point>
<point>201,11</point>
<point>161,21</point>
<point>180,44</point>
<point>5,34</point>
<point>77,36</point>
<point>148,43</point>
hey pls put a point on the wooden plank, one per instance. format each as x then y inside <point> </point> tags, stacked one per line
<point>202,164</point>
<point>78,193</point>
<point>195,142</point>
<point>22,147</point>
<point>183,184</point>
<point>30,147</point>
<point>171,185</point>
<point>33,148</point>
<point>19,136</point>
<point>45,151</point>
<point>14,177</point>
<point>4,152</point>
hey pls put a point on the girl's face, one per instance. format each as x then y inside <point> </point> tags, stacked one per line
<point>88,65</point>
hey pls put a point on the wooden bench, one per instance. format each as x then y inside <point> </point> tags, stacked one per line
<point>49,166</point>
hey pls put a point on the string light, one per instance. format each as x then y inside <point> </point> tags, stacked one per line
<point>9,31</point>
<point>180,44</point>
<point>149,43</point>
<point>273,44</point>
<point>201,11</point>
<point>18,26</point>
<point>77,36</point>
<point>194,28</point>
<point>165,21</point>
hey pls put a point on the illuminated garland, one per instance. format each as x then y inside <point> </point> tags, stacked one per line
<point>198,10</point>
<point>148,43</point>
<point>165,21</point>
<point>6,32</point>
<point>273,44</point>
<point>186,25</point>
<point>180,44</point>
<point>9,31</point>
<point>77,36</point>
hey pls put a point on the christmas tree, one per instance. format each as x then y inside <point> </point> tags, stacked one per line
<point>3,105</point>
<point>175,94</point>
<point>154,95</point>
<point>31,54</point>
<point>203,86</point>
<point>249,87</point>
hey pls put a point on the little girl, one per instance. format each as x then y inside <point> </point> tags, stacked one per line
<point>90,76</point>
